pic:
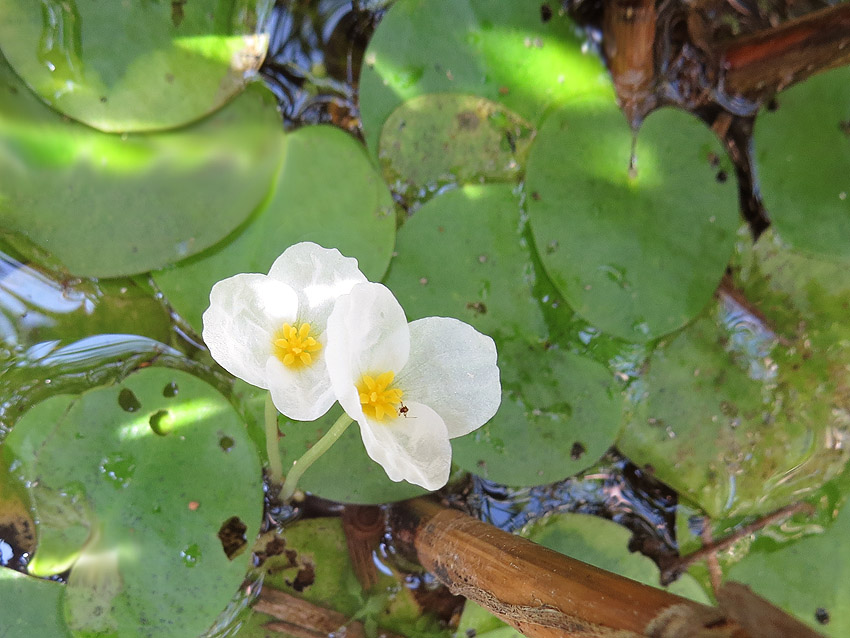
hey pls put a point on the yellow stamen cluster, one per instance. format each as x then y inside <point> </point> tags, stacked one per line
<point>377,398</point>
<point>293,346</point>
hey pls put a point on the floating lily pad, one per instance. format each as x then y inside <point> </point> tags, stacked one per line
<point>344,473</point>
<point>107,205</point>
<point>463,255</point>
<point>121,486</point>
<point>803,155</point>
<point>445,138</point>
<point>328,192</point>
<point>134,66</point>
<point>637,252</point>
<point>501,51</point>
<point>31,607</point>
<point>748,408</point>
<point>807,577</point>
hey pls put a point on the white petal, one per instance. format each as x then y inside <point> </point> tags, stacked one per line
<point>414,449</point>
<point>319,276</point>
<point>302,394</point>
<point>245,311</point>
<point>452,368</point>
<point>367,333</point>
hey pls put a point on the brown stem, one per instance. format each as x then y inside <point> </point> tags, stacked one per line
<point>775,58</point>
<point>542,593</point>
<point>363,526</point>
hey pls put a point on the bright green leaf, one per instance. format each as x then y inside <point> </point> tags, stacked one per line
<point>31,607</point>
<point>637,251</point>
<point>138,491</point>
<point>328,192</point>
<point>108,205</point>
<point>134,66</point>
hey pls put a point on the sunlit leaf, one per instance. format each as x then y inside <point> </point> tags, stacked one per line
<point>162,479</point>
<point>502,51</point>
<point>31,607</point>
<point>637,251</point>
<point>134,66</point>
<point>802,151</point>
<point>328,192</point>
<point>108,205</point>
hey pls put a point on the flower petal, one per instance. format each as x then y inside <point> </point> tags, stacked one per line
<point>415,448</point>
<point>452,368</point>
<point>319,276</point>
<point>367,333</point>
<point>245,310</point>
<point>302,394</point>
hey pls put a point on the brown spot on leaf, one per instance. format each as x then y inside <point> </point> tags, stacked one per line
<point>232,537</point>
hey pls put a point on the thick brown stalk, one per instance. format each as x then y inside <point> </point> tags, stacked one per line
<point>545,594</point>
<point>775,58</point>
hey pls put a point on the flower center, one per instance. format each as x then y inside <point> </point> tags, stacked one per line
<point>377,398</point>
<point>293,345</point>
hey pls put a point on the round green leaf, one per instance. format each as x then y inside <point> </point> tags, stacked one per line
<point>502,51</point>
<point>445,138</point>
<point>31,607</point>
<point>463,255</point>
<point>134,66</point>
<point>745,410</point>
<point>328,192</point>
<point>637,251</point>
<point>344,473</point>
<point>807,577</point>
<point>604,544</point>
<point>107,205</point>
<point>803,155</point>
<point>120,479</point>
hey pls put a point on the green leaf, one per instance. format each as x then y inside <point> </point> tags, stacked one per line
<point>134,66</point>
<point>444,138</point>
<point>803,155</point>
<point>31,607</point>
<point>328,192</point>
<point>807,577</point>
<point>745,410</point>
<point>501,51</point>
<point>464,255</point>
<point>137,490</point>
<point>108,205</point>
<point>636,251</point>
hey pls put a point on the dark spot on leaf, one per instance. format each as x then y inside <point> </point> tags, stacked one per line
<point>103,99</point>
<point>772,105</point>
<point>305,577</point>
<point>128,401</point>
<point>160,422</point>
<point>467,120</point>
<point>822,616</point>
<point>577,451</point>
<point>535,196</point>
<point>292,557</point>
<point>471,633</point>
<point>226,443</point>
<point>170,390</point>
<point>232,537</point>
<point>722,176</point>
<point>478,307</point>
<point>177,13</point>
<point>545,12</point>
<point>713,160</point>
<point>844,127</point>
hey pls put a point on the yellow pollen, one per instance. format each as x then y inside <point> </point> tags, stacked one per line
<point>293,346</point>
<point>377,398</point>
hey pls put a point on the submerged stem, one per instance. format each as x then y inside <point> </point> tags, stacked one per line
<point>310,456</point>
<point>272,448</point>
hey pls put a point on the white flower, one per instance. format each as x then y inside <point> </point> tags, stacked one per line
<point>410,387</point>
<point>269,330</point>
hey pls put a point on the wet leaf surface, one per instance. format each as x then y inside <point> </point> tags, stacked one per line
<point>802,151</point>
<point>747,409</point>
<point>129,504</point>
<point>444,138</point>
<point>464,255</point>
<point>108,205</point>
<point>502,52</point>
<point>31,607</point>
<point>134,66</point>
<point>638,253</point>
<point>355,215</point>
